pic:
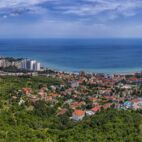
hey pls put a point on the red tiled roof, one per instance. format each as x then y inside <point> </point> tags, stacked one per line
<point>76,104</point>
<point>97,108</point>
<point>79,112</point>
<point>93,99</point>
<point>133,79</point>
<point>55,95</point>
<point>27,90</point>
<point>110,97</point>
<point>135,100</point>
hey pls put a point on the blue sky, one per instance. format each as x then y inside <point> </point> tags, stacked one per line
<point>71,18</point>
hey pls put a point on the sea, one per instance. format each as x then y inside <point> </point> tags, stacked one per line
<point>75,55</point>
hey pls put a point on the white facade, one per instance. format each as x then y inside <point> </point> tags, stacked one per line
<point>90,113</point>
<point>78,118</point>
<point>137,105</point>
<point>1,63</point>
<point>31,65</point>
<point>37,66</point>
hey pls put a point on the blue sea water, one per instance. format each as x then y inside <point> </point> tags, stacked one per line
<point>91,55</point>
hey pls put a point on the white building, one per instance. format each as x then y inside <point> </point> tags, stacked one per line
<point>2,61</point>
<point>31,65</point>
<point>37,66</point>
<point>89,113</point>
<point>78,115</point>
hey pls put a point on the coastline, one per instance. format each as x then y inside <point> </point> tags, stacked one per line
<point>58,68</point>
<point>111,71</point>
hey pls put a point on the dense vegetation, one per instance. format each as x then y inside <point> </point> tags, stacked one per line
<point>39,122</point>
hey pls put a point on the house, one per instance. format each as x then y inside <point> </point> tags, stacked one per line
<point>94,99</point>
<point>53,88</point>
<point>78,115</point>
<point>33,99</point>
<point>74,84</point>
<point>27,91</point>
<point>74,105</point>
<point>137,104</point>
<point>113,98</point>
<point>132,79</point>
<point>96,109</point>
<point>126,86</point>
<point>90,113</point>
<point>54,95</point>
<point>128,104</point>
<point>41,93</point>
<point>21,102</point>
<point>107,105</point>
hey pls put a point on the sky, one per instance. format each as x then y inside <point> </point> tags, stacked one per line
<point>70,18</point>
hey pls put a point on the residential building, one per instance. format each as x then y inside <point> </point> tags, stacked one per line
<point>31,65</point>
<point>78,115</point>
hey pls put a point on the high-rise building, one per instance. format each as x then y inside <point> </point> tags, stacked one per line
<point>37,66</point>
<point>31,65</point>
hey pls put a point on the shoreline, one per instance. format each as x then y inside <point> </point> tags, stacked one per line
<point>58,68</point>
<point>114,71</point>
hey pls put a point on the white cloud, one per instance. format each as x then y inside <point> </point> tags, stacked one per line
<point>18,3</point>
<point>18,7</point>
<point>95,7</point>
<point>85,18</point>
<point>78,8</point>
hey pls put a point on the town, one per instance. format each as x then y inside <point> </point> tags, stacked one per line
<point>19,63</point>
<point>79,94</point>
<point>59,106</point>
<point>87,94</point>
